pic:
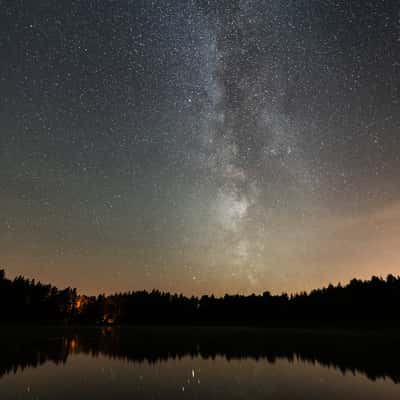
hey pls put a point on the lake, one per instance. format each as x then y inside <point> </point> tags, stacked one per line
<point>196,363</point>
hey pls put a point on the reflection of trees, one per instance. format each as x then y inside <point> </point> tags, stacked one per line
<point>17,356</point>
<point>358,303</point>
<point>373,355</point>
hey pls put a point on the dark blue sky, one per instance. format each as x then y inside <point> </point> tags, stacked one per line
<point>199,146</point>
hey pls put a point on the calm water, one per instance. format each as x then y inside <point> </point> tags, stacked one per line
<point>173,363</point>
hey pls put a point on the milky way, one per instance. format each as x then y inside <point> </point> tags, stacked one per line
<point>200,146</point>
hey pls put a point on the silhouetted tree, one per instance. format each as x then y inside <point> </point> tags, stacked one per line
<point>359,301</point>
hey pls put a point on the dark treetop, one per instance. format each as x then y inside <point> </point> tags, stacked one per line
<point>358,302</point>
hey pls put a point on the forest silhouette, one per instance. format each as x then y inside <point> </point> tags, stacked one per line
<point>374,302</point>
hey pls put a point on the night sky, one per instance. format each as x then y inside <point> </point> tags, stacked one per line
<point>199,146</point>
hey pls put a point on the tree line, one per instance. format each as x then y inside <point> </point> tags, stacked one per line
<point>23,299</point>
<point>376,299</point>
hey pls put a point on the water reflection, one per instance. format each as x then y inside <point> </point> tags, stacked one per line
<point>220,350</point>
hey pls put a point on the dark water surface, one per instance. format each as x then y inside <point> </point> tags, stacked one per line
<point>198,363</point>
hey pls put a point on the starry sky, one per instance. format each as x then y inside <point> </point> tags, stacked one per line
<point>199,146</point>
